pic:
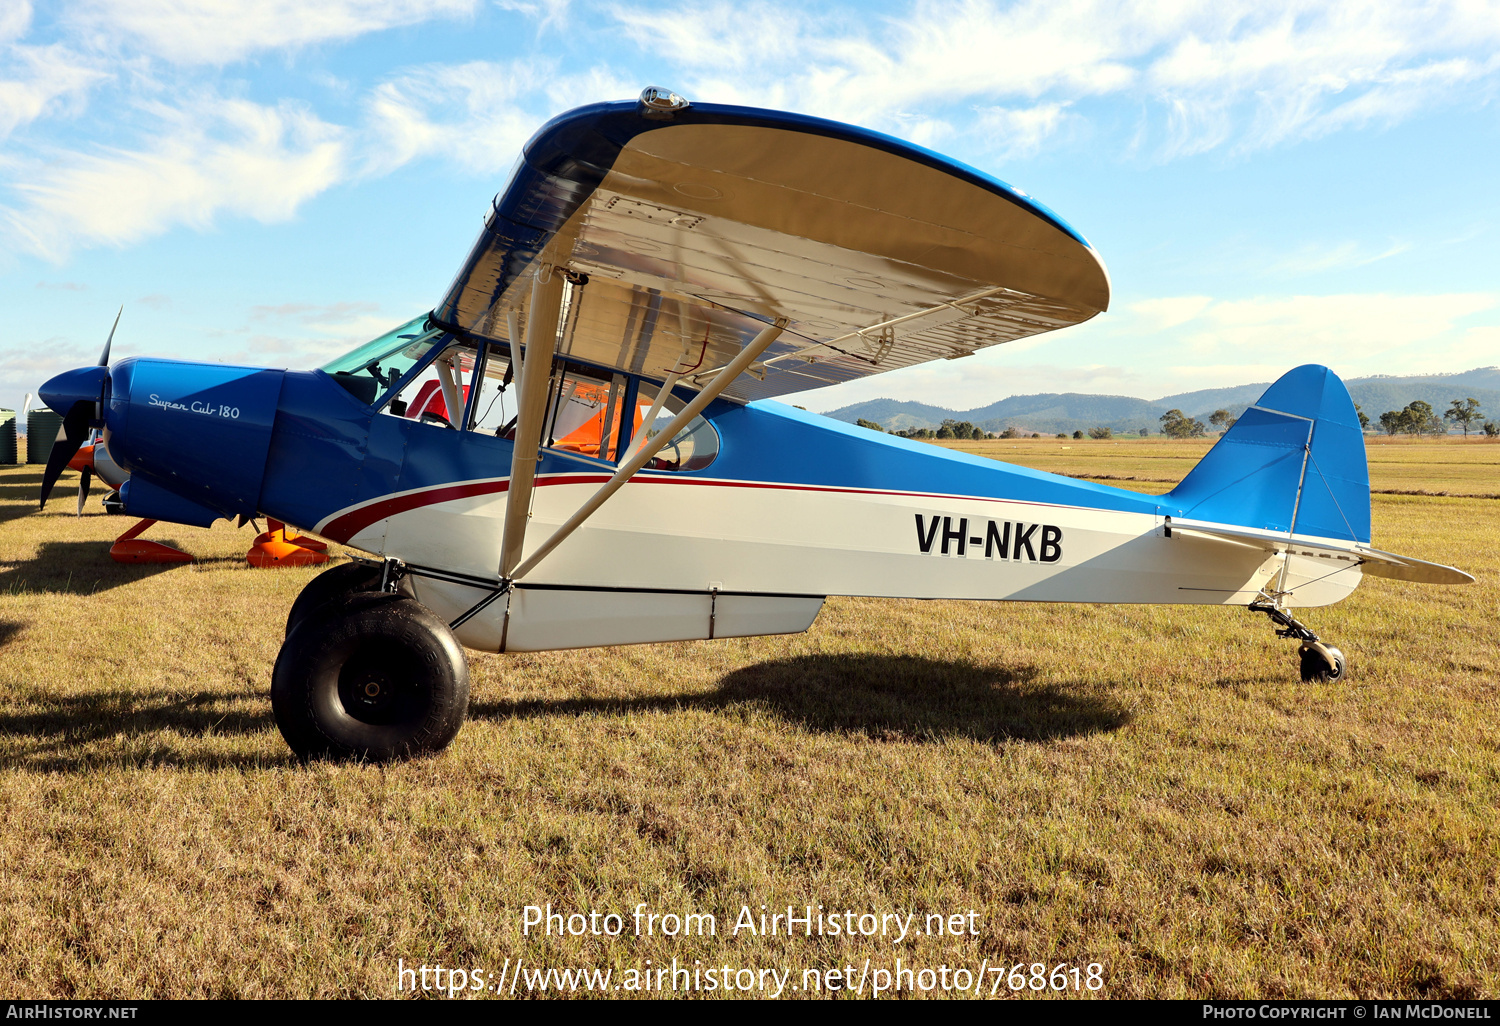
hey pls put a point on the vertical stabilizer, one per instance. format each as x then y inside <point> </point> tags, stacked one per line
<point>1294,462</point>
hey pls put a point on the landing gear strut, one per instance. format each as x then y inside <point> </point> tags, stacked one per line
<point>1321,664</point>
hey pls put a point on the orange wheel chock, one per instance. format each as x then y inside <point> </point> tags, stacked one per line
<point>128,548</point>
<point>274,548</point>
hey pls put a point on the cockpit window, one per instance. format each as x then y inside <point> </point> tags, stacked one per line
<point>585,413</point>
<point>369,371</point>
<point>692,448</point>
<point>494,409</point>
<point>440,393</point>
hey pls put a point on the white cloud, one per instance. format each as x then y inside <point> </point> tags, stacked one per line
<point>478,114</point>
<point>39,79</point>
<point>1020,132</point>
<point>206,32</point>
<point>1172,344</point>
<point>546,13</point>
<point>1239,73</point>
<point>15,19</point>
<point>1314,257</point>
<point>1169,311</point>
<point>210,157</point>
<point>305,334</point>
<point>1360,330</point>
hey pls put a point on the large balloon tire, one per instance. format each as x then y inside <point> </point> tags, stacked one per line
<point>334,584</point>
<point>375,678</point>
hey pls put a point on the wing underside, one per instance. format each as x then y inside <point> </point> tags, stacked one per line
<point>681,240</point>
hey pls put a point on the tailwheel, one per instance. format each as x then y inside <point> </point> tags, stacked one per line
<point>376,677</point>
<point>1321,664</point>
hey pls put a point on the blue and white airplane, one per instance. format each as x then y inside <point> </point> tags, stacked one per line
<point>574,448</point>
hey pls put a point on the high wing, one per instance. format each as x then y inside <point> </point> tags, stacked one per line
<point>684,230</point>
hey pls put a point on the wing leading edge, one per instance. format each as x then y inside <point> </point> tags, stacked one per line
<point>682,237</point>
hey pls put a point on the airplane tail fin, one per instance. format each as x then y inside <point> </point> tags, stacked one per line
<point>1294,463</point>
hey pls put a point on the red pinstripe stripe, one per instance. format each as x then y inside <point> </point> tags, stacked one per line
<point>342,528</point>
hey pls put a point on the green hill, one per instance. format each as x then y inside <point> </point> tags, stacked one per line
<point>1052,412</point>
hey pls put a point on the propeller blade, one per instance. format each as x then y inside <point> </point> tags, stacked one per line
<point>83,487</point>
<point>104,357</point>
<point>75,431</point>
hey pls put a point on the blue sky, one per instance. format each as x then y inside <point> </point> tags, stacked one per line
<point>1270,183</point>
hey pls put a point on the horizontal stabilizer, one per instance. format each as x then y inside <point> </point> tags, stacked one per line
<point>1370,561</point>
<point>1405,568</point>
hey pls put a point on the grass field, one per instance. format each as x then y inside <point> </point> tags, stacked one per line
<point>1148,789</point>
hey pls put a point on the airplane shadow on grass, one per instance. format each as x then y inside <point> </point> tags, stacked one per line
<point>75,568</point>
<point>887,697</point>
<point>59,734</point>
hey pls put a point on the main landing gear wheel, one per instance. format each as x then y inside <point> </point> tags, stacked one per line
<point>375,677</point>
<point>1321,664</point>
<point>335,583</point>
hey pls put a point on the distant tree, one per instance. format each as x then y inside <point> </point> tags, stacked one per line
<point>1464,412</point>
<point>1036,434</point>
<point>1101,432</point>
<point>1078,433</point>
<point>962,429</point>
<point>1422,419</point>
<point>1062,434</point>
<point>945,431</point>
<point>1145,432</point>
<point>1417,418</point>
<point>1222,420</point>
<point>1175,425</point>
<point>1010,432</point>
<point>1491,429</point>
<point>861,422</point>
<point>1364,421</point>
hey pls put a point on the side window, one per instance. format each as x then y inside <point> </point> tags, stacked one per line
<point>494,409</point>
<point>438,394</point>
<point>692,448</point>
<point>585,413</point>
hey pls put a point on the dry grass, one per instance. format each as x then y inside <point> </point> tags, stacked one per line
<point>1150,789</point>
<point>1453,465</point>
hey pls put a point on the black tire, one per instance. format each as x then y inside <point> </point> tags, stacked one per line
<point>1322,664</point>
<point>335,583</point>
<point>376,677</point>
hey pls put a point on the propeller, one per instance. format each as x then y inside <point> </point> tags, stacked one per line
<point>83,487</point>
<point>88,387</point>
<point>104,356</point>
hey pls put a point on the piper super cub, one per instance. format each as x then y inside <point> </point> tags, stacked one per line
<point>574,448</point>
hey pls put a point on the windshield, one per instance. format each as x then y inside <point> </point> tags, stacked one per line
<point>379,364</point>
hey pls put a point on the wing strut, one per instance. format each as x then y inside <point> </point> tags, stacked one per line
<point>531,396</point>
<point>643,455</point>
